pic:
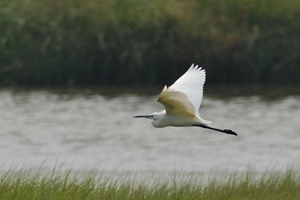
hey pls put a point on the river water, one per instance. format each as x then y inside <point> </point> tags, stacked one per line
<point>82,128</point>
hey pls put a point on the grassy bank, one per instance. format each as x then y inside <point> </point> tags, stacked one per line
<point>35,184</point>
<point>131,42</point>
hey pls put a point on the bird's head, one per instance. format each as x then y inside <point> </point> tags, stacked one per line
<point>156,117</point>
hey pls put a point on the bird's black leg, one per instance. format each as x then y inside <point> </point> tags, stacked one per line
<point>227,131</point>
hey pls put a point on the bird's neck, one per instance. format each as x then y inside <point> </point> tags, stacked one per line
<point>158,119</point>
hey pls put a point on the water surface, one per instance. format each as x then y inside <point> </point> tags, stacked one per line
<point>80,128</point>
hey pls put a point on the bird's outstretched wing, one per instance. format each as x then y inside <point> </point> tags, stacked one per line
<point>185,95</point>
<point>191,84</point>
<point>176,103</point>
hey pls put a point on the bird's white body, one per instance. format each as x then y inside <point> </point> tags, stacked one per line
<point>182,101</point>
<point>163,119</point>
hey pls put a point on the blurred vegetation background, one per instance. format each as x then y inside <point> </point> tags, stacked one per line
<point>142,42</point>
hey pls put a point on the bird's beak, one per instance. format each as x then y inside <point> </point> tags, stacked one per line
<point>143,116</point>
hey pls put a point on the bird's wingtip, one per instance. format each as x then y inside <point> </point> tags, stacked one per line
<point>196,67</point>
<point>192,66</point>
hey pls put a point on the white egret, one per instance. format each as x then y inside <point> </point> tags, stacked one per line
<point>182,101</point>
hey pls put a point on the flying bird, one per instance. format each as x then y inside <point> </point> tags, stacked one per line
<point>182,101</point>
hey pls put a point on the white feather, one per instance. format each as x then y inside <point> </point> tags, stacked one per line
<point>191,84</point>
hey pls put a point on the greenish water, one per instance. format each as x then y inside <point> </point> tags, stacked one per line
<point>76,128</point>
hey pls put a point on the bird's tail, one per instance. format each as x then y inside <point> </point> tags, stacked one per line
<point>205,122</point>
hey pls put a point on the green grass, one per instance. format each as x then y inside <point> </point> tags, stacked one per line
<point>104,42</point>
<point>38,184</point>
